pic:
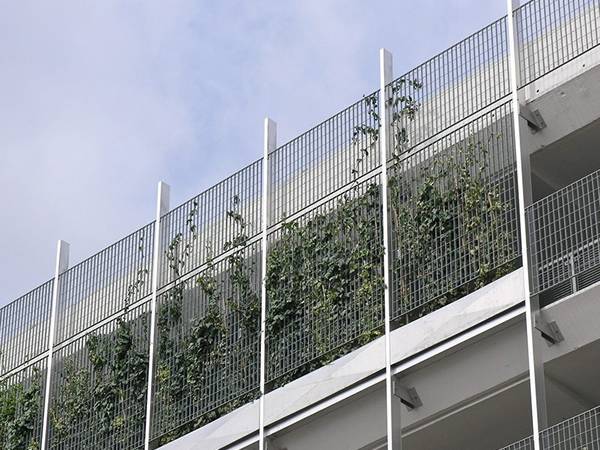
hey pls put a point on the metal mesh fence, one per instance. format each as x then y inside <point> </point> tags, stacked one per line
<point>324,159</point>
<point>198,229</point>
<point>208,344</point>
<point>24,327</point>
<point>325,283</point>
<point>449,87</point>
<point>581,432</point>
<point>578,433</point>
<point>22,407</point>
<point>99,383</point>
<point>553,32</point>
<point>525,444</point>
<point>105,284</point>
<point>564,234</point>
<point>453,215</point>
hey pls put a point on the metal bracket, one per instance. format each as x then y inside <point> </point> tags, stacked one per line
<point>534,119</point>
<point>549,330</point>
<point>408,396</point>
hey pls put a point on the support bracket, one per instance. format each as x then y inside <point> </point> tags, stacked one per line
<point>408,396</point>
<point>549,330</point>
<point>534,119</point>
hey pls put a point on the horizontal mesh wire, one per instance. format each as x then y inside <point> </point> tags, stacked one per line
<point>325,283</point>
<point>99,384</point>
<point>564,235</point>
<point>105,283</point>
<point>581,432</point>
<point>553,32</point>
<point>198,229</point>
<point>22,407</point>
<point>24,327</point>
<point>449,87</point>
<point>324,159</point>
<point>453,215</point>
<point>208,343</point>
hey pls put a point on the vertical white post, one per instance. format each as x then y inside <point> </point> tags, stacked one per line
<point>536,366</point>
<point>162,207</point>
<point>61,265</point>
<point>392,404</point>
<point>270,144</point>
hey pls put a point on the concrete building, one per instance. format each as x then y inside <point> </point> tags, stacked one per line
<point>420,271</point>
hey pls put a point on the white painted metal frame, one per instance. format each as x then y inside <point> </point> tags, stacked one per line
<point>62,264</point>
<point>392,407</point>
<point>270,144</point>
<point>162,207</point>
<point>535,363</point>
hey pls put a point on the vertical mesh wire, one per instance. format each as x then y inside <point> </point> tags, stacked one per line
<point>208,343</point>
<point>99,383</point>
<point>325,283</point>
<point>564,235</point>
<point>451,86</point>
<point>200,227</point>
<point>553,32</point>
<point>453,215</point>
<point>324,159</point>
<point>105,284</point>
<point>24,327</point>
<point>22,407</point>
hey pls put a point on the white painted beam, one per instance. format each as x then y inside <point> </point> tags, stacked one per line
<point>162,208</point>
<point>535,363</point>
<point>62,264</point>
<point>270,144</point>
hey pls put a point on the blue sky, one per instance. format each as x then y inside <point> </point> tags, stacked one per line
<point>101,100</point>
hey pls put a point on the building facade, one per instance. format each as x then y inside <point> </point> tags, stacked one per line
<point>419,271</point>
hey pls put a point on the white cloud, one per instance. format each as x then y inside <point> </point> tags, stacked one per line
<point>100,100</point>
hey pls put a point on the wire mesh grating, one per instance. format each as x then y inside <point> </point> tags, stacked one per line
<point>24,327</point>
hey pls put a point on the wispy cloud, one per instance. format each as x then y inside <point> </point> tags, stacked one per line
<point>100,100</point>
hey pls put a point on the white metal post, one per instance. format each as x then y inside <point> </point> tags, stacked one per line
<point>270,144</point>
<point>61,265</point>
<point>392,404</point>
<point>162,207</point>
<point>536,366</point>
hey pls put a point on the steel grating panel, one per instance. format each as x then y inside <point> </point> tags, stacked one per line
<point>449,87</point>
<point>564,234</point>
<point>325,283</point>
<point>208,341</point>
<point>197,230</point>
<point>324,159</point>
<point>105,284</point>
<point>99,383</point>
<point>24,327</point>
<point>453,215</point>
<point>553,32</point>
<point>22,407</point>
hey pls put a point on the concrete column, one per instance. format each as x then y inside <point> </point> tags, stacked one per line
<point>61,265</point>
<point>162,207</point>
<point>534,340</point>
<point>392,403</point>
<point>270,144</point>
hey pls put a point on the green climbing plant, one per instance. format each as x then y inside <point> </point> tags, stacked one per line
<point>216,350</point>
<point>20,413</point>
<point>102,403</point>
